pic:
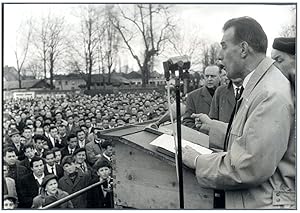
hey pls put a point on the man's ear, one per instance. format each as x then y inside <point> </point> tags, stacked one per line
<point>244,49</point>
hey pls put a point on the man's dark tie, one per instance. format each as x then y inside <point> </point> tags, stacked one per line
<point>238,101</point>
<point>52,168</point>
<point>219,195</point>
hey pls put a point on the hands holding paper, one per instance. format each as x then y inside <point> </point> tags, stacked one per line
<point>190,156</point>
<point>202,121</point>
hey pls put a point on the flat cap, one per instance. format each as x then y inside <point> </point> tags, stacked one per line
<point>78,150</point>
<point>285,44</point>
<point>12,197</point>
<point>13,132</point>
<point>47,178</point>
<point>100,163</point>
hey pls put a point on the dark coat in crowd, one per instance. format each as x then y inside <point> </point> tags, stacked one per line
<point>27,189</point>
<point>59,171</point>
<point>17,172</point>
<point>20,153</point>
<point>25,163</point>
<point>222,103</point>
<point>80,182</point>
<point>197,101</point>
<point>96,198</point>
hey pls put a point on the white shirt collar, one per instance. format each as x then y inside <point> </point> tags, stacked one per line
<point>39,179</point>
<point>104,155</point>
<point>247,78</point>
<point>234,88</point>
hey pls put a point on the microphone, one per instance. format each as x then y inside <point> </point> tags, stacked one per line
<point>166,117</point>
<point>179,60</point>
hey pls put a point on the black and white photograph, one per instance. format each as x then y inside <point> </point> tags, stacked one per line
<point>148,105</point>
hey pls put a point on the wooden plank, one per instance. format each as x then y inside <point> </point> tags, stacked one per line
<point>145,181</point>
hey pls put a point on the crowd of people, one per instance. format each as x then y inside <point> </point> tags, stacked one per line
<point>53,147</point>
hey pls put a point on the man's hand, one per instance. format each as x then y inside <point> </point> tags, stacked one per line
<point>189,156</point>
<point>202,121</point>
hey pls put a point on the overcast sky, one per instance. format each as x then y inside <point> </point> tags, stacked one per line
<point>209,19</point>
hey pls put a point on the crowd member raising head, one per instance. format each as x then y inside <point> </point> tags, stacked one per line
<point>102,195</point>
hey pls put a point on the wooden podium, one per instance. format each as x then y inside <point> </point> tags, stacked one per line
<point>147,179</point>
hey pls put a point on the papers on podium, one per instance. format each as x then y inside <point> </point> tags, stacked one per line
<point>166,144</point>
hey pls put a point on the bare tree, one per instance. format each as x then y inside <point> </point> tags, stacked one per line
<point>40,41</point>
<point>50,43</point>
<point>56,44</point>
<point>213,52</point>
<point>210,54</point>
<point>149,23</point>
<point>22,47</point>
<point>35,68</point>
<point>111,39</point>
<point>84,54</point>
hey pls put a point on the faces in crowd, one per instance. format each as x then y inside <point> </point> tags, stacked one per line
<point>38,168</point>
<point>212,78</point>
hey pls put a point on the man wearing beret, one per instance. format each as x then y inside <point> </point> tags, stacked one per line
<point>284,50</point>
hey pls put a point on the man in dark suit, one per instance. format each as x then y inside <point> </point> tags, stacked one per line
<point>50,166</point>
<point>29,151</point>
<point>72,145</point>
<point>29,185</point>
<point>224,100</point>
<point>199,101</point>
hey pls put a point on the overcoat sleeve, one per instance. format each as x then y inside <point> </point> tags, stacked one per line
<point>190,109</point>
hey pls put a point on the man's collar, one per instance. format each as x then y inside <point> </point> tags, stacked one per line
<point>247,79</point>
<point>104,155</point>
<point>37,178</point>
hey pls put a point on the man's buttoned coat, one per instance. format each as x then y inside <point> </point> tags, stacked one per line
<point>81,181</point>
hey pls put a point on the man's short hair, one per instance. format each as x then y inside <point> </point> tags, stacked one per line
<point>39,137</point>
<point>8,149</point>
<point>71,136</point>
<point>249,30</point>
<point>34,159</point>
<point>28,145</point>
<point>79,130</point>
<point>52,127</point>
<point>47,152</point>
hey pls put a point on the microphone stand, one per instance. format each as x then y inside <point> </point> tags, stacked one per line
<point>179,156</point>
